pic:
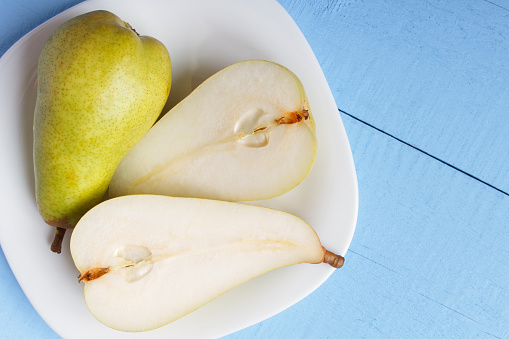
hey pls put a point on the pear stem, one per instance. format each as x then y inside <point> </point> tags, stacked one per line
<point>56,245</point>
<point>332,259</point>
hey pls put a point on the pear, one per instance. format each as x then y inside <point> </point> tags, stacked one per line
<point>100,88</point>
<point>245,133</point>
<point>147,260</point>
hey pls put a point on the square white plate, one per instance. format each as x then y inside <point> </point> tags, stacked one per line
<point>202,38</point>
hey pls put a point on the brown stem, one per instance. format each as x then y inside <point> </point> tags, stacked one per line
<point>132,29</point>
<point>56,245</point>
<point>332,259</point>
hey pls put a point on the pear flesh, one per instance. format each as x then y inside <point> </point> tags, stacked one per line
<point>100,88</point>
<point>246,133</point>
<point>147,260</point>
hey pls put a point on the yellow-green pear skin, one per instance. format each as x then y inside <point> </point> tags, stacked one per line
<point>100,88</point>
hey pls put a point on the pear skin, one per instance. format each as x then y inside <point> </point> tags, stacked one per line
<point>101,86</point>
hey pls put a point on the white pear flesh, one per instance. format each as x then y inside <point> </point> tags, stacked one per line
<point>147,260</point>
<point>246,133</point>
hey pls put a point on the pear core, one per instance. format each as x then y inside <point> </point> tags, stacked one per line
<point>139,260</point>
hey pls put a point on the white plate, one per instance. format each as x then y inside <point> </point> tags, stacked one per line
<point>202,37</point>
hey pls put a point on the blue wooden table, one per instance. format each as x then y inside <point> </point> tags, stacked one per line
<point>423,90</point>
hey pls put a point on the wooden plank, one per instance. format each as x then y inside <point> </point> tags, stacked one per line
<point>504,4</point>
<point>19,18</point>
<point>429,258</point>
<point>18,317</point>
<point>432,73</point>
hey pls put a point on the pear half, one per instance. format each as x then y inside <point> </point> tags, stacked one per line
<point>246,133</point>
<point>147,260</point>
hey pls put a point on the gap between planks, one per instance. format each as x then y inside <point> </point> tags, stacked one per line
<point>424,152</point>
<point>490,2</point>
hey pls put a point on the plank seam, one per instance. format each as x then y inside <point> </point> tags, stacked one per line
<point>496,5</point>
<point>424,152</point>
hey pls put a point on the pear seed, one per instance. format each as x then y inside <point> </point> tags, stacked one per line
<point>133,253</point>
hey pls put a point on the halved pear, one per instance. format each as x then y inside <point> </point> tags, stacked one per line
<point>246,133</point>
<point>147,260</point>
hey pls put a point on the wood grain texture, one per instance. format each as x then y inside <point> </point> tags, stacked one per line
<point>432,73</point>
<point>20,17</point>
<point>503,4</point>
<point>18,318</point>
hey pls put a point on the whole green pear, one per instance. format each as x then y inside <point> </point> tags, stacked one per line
<point>101,86</point>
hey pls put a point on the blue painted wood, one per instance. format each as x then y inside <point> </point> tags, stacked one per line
<point>429,257</point>
<point>432,73</point>
<point>504,4</point>
<point>18,319</point>
<point>17,18</point>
